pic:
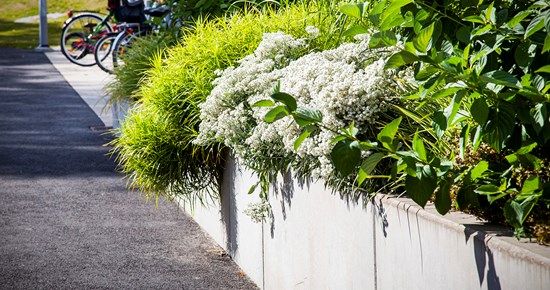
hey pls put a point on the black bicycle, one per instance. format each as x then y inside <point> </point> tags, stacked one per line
<point>81,32</point>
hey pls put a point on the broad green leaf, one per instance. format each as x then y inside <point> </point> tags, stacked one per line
<point>286,99</point>
<point>446,92</point>
<point>527,148</point>
<point>535,25</point>
<point>463,34</point>
<point>355,30</point>
<point>443,198</point>
<point>480,111</point>
<point>513,213</point>
<point>539,117</point>
<point>383,39</point>
<point>439,123</point>
<point>399,59</point>
<point>474,19</point>
<point>346,156</point>
<point>387,135</point>
<point>499,126</point>
<point>487,189</point>
<point>524,54</point>
<point>480,168</point>
<point>546,46</point>
<point>420,190</point>
<point>544,69</point>
<point>275,114</point>
<point>501,78</point>
<point>391,16</point>
<point>263,103</point>
<point>518,18</point>
<point>419,148</point>
<point>490,13</point>
<point>307,116</point>
<point>352,10</point>
<point>376,12</point>
<point>465,197</point>
<point>367,167</point>
<point>422,40</point>
<point>531,185</point>
<point>305,133</point>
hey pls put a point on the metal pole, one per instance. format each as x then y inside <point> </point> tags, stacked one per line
<point>44,46</point>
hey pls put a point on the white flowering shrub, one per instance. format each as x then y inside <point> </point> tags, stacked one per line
<point>346,84</point>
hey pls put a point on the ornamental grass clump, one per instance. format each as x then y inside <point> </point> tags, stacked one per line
<point>156,148</point>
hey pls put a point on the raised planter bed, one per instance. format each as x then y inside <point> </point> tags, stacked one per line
<point>316,240</point>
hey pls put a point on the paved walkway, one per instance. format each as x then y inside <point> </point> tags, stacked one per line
<point>66,219</point>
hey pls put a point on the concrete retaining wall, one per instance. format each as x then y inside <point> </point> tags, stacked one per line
<point>316,240</point>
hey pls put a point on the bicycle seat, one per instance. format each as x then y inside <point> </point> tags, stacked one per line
<point>157,11</point>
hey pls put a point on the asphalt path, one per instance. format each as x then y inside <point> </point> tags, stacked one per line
<point>66,219</point>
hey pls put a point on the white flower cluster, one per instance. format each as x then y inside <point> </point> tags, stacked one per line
<point>347,84</point>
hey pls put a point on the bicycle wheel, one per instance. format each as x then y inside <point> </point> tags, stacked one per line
<point>79,36</point>
<point>121,45</point>
<point>104,52</point>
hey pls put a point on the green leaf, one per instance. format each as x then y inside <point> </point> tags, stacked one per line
<point>546,46</point>
<point>474,19</point>
<point>307,116</point>
<point>263,103</point>
<point>383,39</point>
<point>531,185</point>
<point>539,117</point>
<point>376,12</point>
<point>399,59</point>
<point>463,34</point>
<point>513,213</point>
<point>544,69</point>
<point>476,139</point>
<point>501,78</point>
<point>480,168</point>
<point>439,123</point>
<point>480,111</point>
<point>346,156</point>
<point>527,148</point>
<point>487,189</point>
<point>253,188</point>
<point>500,125</point>
<point>418,147</point>
<point>355,30</point>
<point>286,99</point>
<point>367,167</point>
<point>464,139</point>
<point>518,18</point>
<point>276,113</point>
<point>536,24</point>
<point>490,13</point>
<point>387,135</point>
<point>420,190</point>
<point>443,198</point>
<point>524,54</point>
<point>422,40</point>
<point>352,10</point>
<point>303,136</point>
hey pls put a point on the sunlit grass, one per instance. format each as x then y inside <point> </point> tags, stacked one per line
<point>26,35</point>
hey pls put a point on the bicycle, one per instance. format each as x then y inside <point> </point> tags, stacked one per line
<point>111,46</point>
<point>81,33</point>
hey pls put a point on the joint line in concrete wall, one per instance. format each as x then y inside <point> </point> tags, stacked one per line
<point>374,244</point>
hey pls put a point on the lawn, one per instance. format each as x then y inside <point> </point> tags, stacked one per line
<point>26,35</point>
